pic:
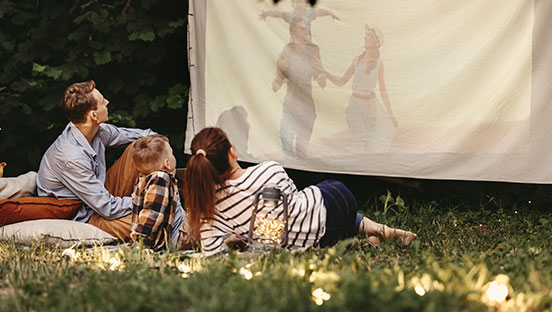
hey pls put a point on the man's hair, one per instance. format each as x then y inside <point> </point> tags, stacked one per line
<point>77,101</point>
<point>149,151</point>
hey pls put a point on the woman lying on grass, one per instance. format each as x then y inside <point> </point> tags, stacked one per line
<point>220,196</point>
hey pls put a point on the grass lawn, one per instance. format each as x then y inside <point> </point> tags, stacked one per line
<point>462,260</point>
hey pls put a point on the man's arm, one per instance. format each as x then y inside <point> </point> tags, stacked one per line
<point>337,80</point>
<point>81,180</point>
<point>319,74</point>
<point>282,65</point>
<point>115,136</point>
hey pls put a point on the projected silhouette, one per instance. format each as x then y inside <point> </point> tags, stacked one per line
<point>296,66</point>
<point>236,125</point>
<point>371,126</point>
<point>302,13</point>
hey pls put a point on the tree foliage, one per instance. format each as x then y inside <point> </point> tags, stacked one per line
<point>134,50</point>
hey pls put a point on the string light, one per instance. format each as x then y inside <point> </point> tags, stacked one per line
<point>69,253</point>
<point>246,273</point>
<point>420,291</point>
<point>269,230</point>
<point>114,263</point>
<point>298,272</point>
<point>319,296</point>
<point>184,268</point>
<point>497,292</point>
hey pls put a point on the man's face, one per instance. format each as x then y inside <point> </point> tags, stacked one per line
<point>100,112</point>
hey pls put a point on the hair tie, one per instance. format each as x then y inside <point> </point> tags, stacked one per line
<point>200,151</point>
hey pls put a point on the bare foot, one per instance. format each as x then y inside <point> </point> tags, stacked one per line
<point>406,238</point>
<point>374,240</point>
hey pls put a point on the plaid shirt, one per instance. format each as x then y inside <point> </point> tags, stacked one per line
<point>154,201</point>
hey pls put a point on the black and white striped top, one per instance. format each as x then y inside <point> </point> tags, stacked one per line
<point>307,214</point>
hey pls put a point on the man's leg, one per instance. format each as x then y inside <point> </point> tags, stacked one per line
<point>288,129</point>
<point>119,228</point>
<point>119,181</point>
<point>305,124</point>
<point>121,177</point>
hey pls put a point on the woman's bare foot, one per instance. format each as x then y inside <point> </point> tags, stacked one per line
<point>407,238</point>
<point>374,240</point>
<point>378,232</point>
<point>403,237</point>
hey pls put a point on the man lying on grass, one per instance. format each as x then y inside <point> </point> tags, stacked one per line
<point>74,165</point>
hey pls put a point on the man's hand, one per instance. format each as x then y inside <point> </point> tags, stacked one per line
<point>321,79</point>
<point>277,84</point>
<point>317,65</point>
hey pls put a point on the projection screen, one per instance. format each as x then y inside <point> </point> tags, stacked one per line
<point>424,89</point>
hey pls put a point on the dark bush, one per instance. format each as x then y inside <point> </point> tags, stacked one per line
<point>134,50</point>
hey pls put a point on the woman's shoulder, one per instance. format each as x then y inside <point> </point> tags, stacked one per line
<point>263,168</point>
<point>312,47</point>
<point>271,164</point>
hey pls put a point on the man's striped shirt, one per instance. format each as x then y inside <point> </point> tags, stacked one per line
<point>307,214</point>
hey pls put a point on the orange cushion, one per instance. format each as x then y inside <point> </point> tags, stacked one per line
<point>33,208</point>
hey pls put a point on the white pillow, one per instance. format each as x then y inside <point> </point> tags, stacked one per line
<point>63,233</point>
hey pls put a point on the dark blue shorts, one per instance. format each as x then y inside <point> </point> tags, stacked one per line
<point>342,218</point>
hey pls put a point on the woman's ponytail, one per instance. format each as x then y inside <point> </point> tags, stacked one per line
<point>205,172</point>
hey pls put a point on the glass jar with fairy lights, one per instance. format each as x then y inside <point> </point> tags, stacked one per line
<point>269,219</point>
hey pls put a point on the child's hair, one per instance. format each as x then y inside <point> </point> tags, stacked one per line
<point>77,100</point>
<point>208,168</point>
<point>148,152</point>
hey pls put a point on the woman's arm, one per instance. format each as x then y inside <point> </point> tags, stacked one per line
<point>338,81</point>
<point>385,95</point>
<point>319,74</point>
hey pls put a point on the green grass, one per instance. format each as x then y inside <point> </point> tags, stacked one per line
<point>460,251</point>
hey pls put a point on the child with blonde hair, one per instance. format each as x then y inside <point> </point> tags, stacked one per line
<point>157,214</point>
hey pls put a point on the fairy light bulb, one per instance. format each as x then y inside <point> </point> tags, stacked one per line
<point>497,292</point>
<point>419,290</point>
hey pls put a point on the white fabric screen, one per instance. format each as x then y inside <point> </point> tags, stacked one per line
<point>441,90</point>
